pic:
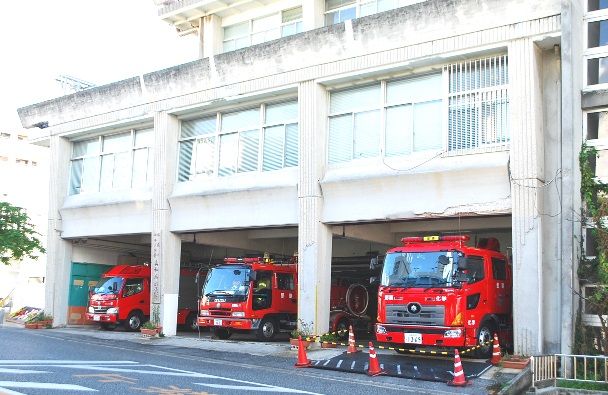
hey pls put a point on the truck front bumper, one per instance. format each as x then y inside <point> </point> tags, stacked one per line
<point>110,318</point>
<point>232,323</point>
<point>422,335</point>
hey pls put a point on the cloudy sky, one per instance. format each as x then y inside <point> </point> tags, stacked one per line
<point>99,41</point>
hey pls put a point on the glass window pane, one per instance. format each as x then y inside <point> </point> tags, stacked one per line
<point>150,178</point>
<point>75,176</point>
<point>234,31</point>
<point>266,23</point>
<point>229,46</point>
<point>398,130</point>
<point>291,145</point>
<point>140,168</point>
<point>228,154</point>
<point>248,151</point>
<point>463,123</point>
<point>288,30</point>
<point>349,13</point>
<point>340,139</point>
<point>144,138</point>
<point>597,71</point>
<point>291,15</point>
<point>242,42</point>
<point>198,127</point>
<point>87,147</point>
<point>332,4</point>
<point>365,98</point>
<point>281,113</point>
<point>90,175</point>
<point>414,89</point>
<point>117,142</point>
<point>241,120</point>
<point>332,18</point>
<point>595,5</point>
<point>597,125</point>
<point>258,38</point>
<point>367,136</point>
<point>368,9</point>
<point>427,126</point>
<point>598,34</point>
<point>185,159</point>
<point>273,148</point>
<point>107,172</point>
<point>205,156</point>
<point>385,5</point>
<point>122,170</point>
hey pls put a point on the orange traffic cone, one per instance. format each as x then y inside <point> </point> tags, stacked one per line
<point>496,354</point>
<point>303,361</point>
<point>459,379</point>
<point>352,347</point>
<point>374,367</point>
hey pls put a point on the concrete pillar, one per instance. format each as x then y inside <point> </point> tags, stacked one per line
<point>166,246</point>
<point>210,36</point>
<point>314,237</point>
<point>59,251</point>
<point>572,69</point>
<point>313,14</point>
<point>525,123</point>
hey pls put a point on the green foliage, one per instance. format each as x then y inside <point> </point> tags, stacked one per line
<point>18,239</point>
<point>586,385</point>
<point>304,329</point>
<point>329,337</point>
<point>149,325</point>
<point>594,271</point>
<point>39,317</point>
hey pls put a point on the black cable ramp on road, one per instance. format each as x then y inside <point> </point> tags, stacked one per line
<point>405,366</point>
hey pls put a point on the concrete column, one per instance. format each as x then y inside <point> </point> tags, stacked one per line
<point>314,237</point>
<point>166,246</point>
<point>525,116</point>
<point>59,251</point>
<point>313,14</point>
<point>211,35</point>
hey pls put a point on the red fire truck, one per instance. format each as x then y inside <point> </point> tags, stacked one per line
<point>257,294</point>
<point>437,291</point>
<point>123,296</point>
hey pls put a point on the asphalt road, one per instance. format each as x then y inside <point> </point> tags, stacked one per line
<point>56,362</point>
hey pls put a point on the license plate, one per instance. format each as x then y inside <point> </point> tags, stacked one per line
<point>217,322</point>
<point>96,317</point>
<point>414,338</point>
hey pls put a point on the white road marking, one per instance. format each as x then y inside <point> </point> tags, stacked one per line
<point>352,366</point>
<point>46,386</point>
<point>253,388</point>
<point>6,391</point>
<point>339,363</point>
<point>327,362</point>
<point>20,371</point>
<point>398,369</point>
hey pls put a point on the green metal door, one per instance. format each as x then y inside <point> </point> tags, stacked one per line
<point>84,275</point>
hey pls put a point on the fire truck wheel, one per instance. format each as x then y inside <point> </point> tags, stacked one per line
<point>191,322</point>
<point>485,335</point>
<point>134,321</point>
<point>267,330</point>
<point>222,333</point>
<point>107,327</point>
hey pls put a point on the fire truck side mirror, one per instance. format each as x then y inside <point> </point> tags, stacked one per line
<point>373,264</point>
<point>252,275</point>
<point>374,280</point>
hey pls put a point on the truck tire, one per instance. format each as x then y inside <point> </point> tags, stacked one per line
<point>134,321</point>
<point>485,334</point>
<point>222,333</point>
<point>107,326</point>
<point>191,323</point>
<point>268,329</point>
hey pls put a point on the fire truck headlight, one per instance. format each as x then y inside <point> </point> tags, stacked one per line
<point>113,310</point>
<point>204,313</point>
<point>380,329</point>
<point>238,314</point>
<point>453,333</point>
<point>91,309</point>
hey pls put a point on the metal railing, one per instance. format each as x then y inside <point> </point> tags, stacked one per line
<point>568,367</point>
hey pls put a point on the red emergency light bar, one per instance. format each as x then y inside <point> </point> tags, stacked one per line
<point>247,260</point>
<point>422,239</point>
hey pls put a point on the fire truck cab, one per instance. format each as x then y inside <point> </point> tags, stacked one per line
<point>437,291</point>
<point>250,294</point>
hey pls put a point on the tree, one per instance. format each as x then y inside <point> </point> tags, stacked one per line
<point>18,239</point>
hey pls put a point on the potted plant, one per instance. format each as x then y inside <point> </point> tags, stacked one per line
<point>329,340</point>
<point>514,361</point>
<point>39,321</point>
<point>149,329</point>
<point>303,330</point>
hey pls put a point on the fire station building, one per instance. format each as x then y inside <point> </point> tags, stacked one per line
<point>334,128</point>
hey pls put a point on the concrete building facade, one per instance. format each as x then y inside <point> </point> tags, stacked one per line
<point>334,128</point>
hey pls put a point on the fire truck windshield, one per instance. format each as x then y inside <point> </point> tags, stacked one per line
<point>420,269</point>
<point>233,281</point>
<point>110,286</point>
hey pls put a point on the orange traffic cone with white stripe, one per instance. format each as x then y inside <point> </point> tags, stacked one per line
<point>459,379</point>
<point>374,367</point>
<point>303,361</point>
<point>496,354</point>
<point>352,347</point>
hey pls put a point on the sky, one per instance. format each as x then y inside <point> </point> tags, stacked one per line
<point>99,41</point>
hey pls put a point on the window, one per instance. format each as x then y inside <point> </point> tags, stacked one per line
<point>597,125</point>
<point>594,5</point>
<point>119,161</point>
<point>263,138</point>
<point>597,71</point>
<point>597,33</point>
<point>475,271</point>
<point>337,11</point>
<point>236,36</point>
<point>499,269</point>
<point>291,22</point>
<point>133,286</point>
<point>285,282</point>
